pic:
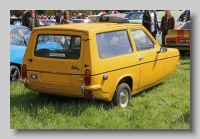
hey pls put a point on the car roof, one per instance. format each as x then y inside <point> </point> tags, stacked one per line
<point>134,12</point>
<point>45,20</point>
<point>119,15</point>
<point>85,26</point>
<point>14,26</point>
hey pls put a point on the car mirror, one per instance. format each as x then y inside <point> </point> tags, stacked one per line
<point>162,50</point>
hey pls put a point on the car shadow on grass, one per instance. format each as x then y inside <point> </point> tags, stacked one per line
<point>29,102</point>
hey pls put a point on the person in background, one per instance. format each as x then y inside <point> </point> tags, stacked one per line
<point>42,16</point>
<point>58,16</point>
<point>66,18</point>
<point>77,15</point>
<point>30,19</point>
<point>185,16</point>
<point>52,17</point>
<point>150,22</point>
<point>90,14</point>
<point>84,16</point>
<point>167,22</point>
<point>188,15</point>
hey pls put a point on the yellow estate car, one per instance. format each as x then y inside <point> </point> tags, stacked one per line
<point>96,60</point>
<point>179,38</point>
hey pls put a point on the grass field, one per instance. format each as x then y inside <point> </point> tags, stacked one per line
<point>165,106</point>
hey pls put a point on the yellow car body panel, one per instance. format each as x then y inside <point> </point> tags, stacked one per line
<point>65,77</point>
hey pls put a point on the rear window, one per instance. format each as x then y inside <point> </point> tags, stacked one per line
<point>113,43</point>
<point>58,46</point>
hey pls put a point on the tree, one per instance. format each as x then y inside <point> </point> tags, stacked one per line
<point>17,13</point>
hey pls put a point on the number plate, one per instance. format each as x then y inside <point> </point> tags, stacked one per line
<point>184,41</point>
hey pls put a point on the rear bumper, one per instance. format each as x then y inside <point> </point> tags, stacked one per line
<point>185,47</point>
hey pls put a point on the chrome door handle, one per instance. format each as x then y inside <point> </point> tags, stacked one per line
<point>140,57</point>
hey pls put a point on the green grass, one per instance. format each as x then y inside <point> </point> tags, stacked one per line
<point>165,106</point>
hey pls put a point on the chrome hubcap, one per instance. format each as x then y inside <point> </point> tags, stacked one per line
<point>123,98</point>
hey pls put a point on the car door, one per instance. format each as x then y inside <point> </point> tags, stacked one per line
<point>152,63</point>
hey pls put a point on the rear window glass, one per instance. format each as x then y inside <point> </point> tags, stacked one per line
<point>113,43</point>
<point>58,46</point>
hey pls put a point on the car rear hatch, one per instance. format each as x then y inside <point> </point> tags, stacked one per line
<point>53,61</point>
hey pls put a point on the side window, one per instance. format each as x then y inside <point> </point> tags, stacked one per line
<point>58,46</point>
<point>113,43</point>
<point>15,38</point>
<point>142,40</point>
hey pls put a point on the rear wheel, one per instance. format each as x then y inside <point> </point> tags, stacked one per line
<point>122,95</point>
<point>14,73</point>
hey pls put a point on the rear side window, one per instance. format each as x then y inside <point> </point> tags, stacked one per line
<point>113,43</point>
<point>58,46</point>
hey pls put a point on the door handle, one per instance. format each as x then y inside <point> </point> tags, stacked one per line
<point>140,57</point>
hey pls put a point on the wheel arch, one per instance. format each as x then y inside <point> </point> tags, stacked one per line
<point>128,79</point>
<point>17,65</point>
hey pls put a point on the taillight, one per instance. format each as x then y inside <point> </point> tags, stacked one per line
<point>170,41</point>
<point>87,77</point>
<point>24,71</point>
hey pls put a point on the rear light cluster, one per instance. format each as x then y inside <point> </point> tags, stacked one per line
<point>87,77</point>
<point>170,41</point>
<point>24,71</point>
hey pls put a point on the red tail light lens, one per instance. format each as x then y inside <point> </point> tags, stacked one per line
<point>24,71</point>
<point>170,41</point>
<point>87,77</point>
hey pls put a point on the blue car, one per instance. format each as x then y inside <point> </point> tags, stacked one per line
<point>19,37</point>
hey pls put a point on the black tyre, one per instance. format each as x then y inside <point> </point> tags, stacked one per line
<point>122,95</point>
<point>14,73</point>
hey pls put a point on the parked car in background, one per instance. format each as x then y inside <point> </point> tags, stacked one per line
<point>19,37</point>
<point>98,60</point>
<point>133,15</point>
<point>47,22</point>
<point>127,15</point>
<point>17,23</point>
<point>122,15</point>
<point>14,20</point>
<point>81,20</point>
<point>179,38</point>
